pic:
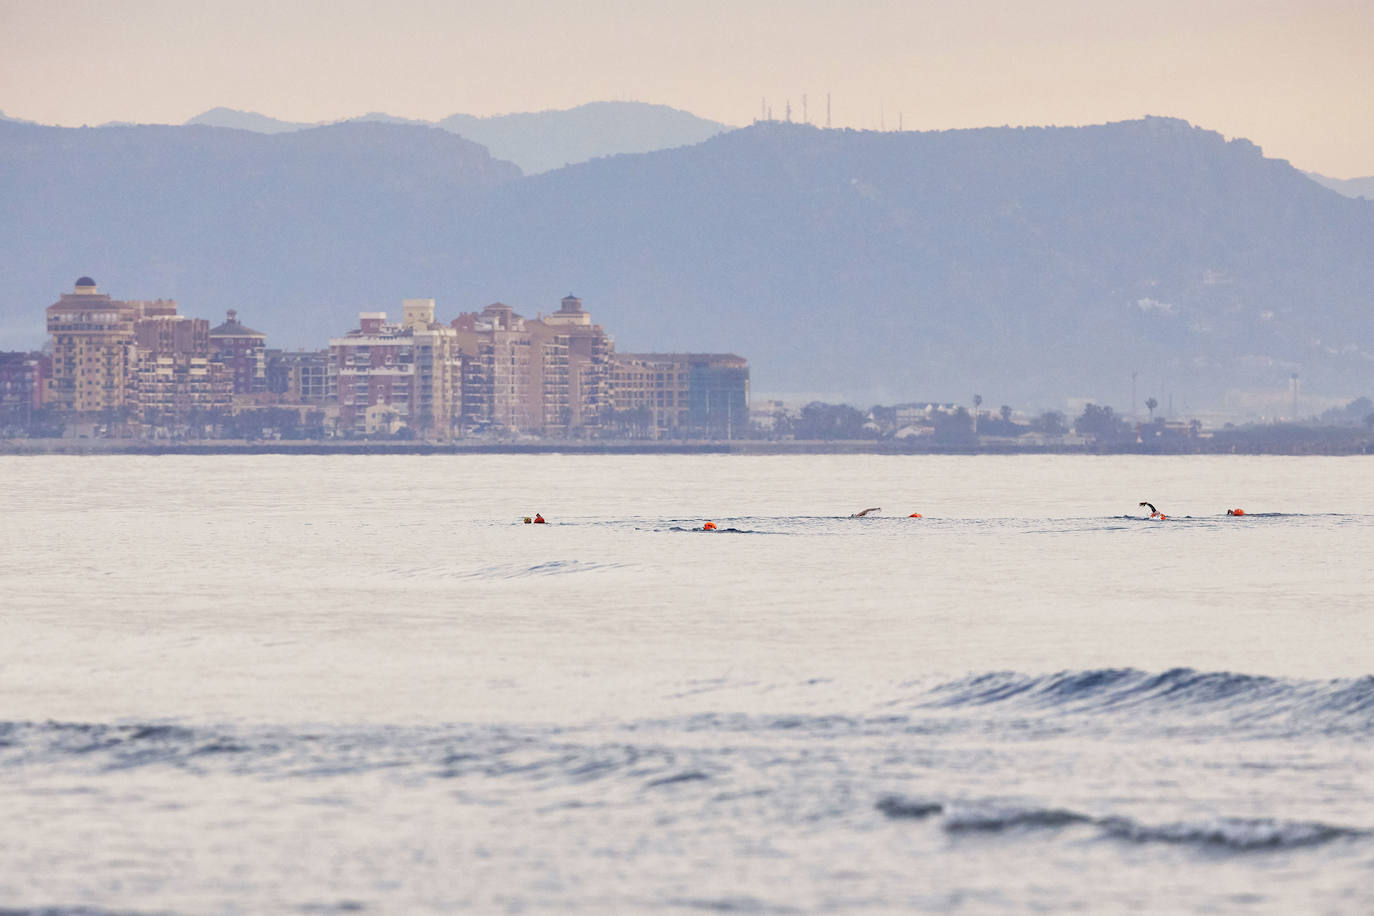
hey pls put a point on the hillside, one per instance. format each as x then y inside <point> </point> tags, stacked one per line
<point>1028,265</point>
<point>1017,263</point>
<point>276,226</point>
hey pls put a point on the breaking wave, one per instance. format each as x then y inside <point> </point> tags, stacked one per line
<point>1344,704</point>
<point>1238,834</point>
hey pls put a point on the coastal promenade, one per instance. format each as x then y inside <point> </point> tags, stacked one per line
<point>533,446</point>
<point>505,446</point>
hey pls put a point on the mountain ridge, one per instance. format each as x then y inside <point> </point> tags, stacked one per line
<point>1023,263</point>
<point>536,141</point>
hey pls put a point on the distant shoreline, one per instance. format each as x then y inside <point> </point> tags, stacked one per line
<point>38,447</point>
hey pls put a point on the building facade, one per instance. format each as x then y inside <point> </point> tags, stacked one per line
<point>547,376</point>
<point>302,376</point>
<point>176,381</point>
<point>680,395</point>
<point>393,376</point>
<point>243,350</point>
<point>92,350</point>
<point>23,382</point>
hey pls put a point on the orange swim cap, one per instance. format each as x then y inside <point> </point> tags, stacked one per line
<point>709,526</point>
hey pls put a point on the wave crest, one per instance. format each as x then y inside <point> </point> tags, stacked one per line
<point>1239,834</point>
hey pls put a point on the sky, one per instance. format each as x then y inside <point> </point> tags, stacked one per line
<point>1295,77</point>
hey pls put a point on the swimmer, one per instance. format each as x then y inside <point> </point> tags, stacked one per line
<point>1154,513</point>
<point>528,520</point>
<point>539,519</point>
<point>709,526</point>
<point>863,512</point>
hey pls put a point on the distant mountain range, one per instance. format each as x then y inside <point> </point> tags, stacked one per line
<point>1029,265</point>
<point>535,141</point>
<point>1350,187</point>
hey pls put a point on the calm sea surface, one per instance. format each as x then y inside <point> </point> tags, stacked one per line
<point>361,684</point>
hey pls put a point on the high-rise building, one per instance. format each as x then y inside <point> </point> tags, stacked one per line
<point>589,352</point>
<point>546,375</point>
<point>175,377</point>
<point>93,349</point>
<point>243,350</point>
<point>137,357</point>
<point>392,376</point>
<point>438,396</point>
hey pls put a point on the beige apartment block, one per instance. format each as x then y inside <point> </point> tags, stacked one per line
<point>176,380</point>
<point>546,376</point>
<point>93,361</point>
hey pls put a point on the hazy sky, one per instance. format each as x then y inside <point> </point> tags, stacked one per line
<point>1294,76</point>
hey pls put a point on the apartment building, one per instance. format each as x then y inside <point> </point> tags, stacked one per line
<point>546,375</point>
<point>23,381</point>
<point>93,349</point>
<point>392,376</point>
<point>680,394</point>
<point>243,350</point>
<point>302,376</point>
<point>175,378</point>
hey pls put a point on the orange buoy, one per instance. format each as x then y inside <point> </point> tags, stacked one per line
<point>1235,511</point>
<point>915,515</point>
<point>709,526</point>
<point>539,519</point>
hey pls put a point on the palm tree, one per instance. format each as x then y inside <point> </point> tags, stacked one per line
<point>1150,405</point>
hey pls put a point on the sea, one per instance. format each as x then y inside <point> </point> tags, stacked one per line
<point>363,684</point>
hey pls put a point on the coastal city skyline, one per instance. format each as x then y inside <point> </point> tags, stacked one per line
<point>140,368</point>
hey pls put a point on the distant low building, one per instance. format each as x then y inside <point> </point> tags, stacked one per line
<point>682,394</point>
<point>23,380</point>
<point>302,376</point>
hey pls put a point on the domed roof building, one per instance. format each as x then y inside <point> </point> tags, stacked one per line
<point>243,350</point>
